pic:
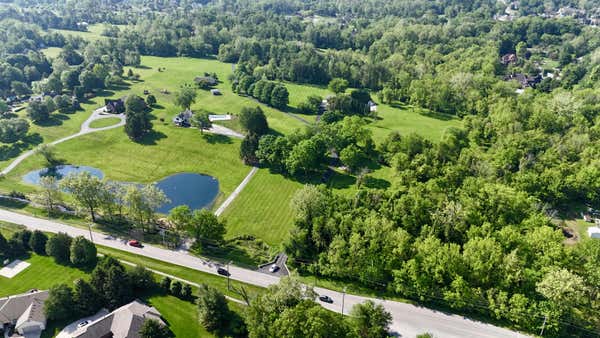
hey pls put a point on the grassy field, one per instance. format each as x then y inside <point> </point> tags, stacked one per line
<point>263,208</point>
<point>93,33</point>
<point>406,120</point>
<point>109,121</point>
<point>51,52</point>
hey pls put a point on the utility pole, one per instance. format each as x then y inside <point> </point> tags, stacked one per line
<point>343,299</point>
<point>90,228</point>
<point>543,326</point>
<point>228,274</point>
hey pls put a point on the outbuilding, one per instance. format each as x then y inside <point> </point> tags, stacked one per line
<point>594,232</point>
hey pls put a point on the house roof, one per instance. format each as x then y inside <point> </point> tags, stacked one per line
<point>23,307</point>
<point>124,322</point>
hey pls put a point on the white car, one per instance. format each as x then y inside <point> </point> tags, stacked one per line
<point>273,268</point>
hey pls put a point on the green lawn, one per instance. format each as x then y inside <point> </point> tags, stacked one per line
<point>93,33</point>
<point>263,208</point>
<point>406,120</point>
<point>43,273</point>
<point>105,122</point>
<point>51,52</point>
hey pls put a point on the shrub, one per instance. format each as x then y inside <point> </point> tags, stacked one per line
<point>83,252</point>
<point>59,247</point>
<point>37,242</point>
<point>165,284</point>
<point>176,289</point>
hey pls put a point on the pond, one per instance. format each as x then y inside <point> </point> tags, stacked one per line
<point>194,190</point>
<point>33,177</point>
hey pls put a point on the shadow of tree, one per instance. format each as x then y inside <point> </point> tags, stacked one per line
<point>151,138</point>
<point>216,138</point>
<point>55,119</point>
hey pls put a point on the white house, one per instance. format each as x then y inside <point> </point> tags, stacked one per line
<point>594,232</point>
<point>372,106</point>
<point>24,313</point>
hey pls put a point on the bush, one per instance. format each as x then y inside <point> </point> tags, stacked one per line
<point>37,242</point>
<point>59,247</point>
<point>83,252</point>
<point>176,289</point>
<point>59,305</point>
<point>141,278</point>
<point>165,284</point>
<point>23,236</point>
<point>187,292</point>
<point>213,310</point>
<point>15,248</point>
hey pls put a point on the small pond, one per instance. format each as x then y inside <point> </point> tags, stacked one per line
<point>194,190</point>
<point>33,177</point>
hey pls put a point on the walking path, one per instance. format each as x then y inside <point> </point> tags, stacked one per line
<point>98,114</point>
<point>236,192</point>
<point>408,320</point>
<point>217,129</point>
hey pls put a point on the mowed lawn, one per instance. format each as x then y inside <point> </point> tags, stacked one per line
<point>406,120</point>
<point>106,122</point>
<point>167,151</point>
<point>263,208</point>
<point>178,71</point>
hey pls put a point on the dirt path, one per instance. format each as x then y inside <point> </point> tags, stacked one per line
<point>85,129</point>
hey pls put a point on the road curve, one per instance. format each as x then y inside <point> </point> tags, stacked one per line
<point>408,320</point>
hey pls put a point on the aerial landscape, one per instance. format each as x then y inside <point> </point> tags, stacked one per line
<point>299,168</point>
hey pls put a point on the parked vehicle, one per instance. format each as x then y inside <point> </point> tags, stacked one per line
<point>273,268</point>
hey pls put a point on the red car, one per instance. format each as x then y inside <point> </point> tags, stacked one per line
<point>135,243</point>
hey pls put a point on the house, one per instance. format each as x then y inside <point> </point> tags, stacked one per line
<point>24,313</point>
<point>593,232</point>
<point>124,322</point>
<point>524,80</point>
<point>215,92</point>
<point>372,106</point>
<point>115,106</point>
<point>587,218</point>
<point>507,59</point>
<point>183,119</point>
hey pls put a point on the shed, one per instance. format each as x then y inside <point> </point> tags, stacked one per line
<point>215,92</point>
<point>594,232</point>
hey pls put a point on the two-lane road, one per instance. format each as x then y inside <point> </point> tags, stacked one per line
<point>408,320</point>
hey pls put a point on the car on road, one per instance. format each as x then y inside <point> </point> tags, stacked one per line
<point>325,299</point>
<point>273,268</point>
<point>82,324</point>
<point>223,272</point>
<point>135,243</point>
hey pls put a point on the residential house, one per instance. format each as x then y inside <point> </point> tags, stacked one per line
<point>124,322</point>
<point>524,80</point>
<point>183,119</point>
<point>115,106</point>
<point>24,313</point>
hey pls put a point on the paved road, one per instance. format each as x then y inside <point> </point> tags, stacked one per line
<point>408,320</point>
<point>85,129</point>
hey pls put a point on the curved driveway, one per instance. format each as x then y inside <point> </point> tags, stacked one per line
<point>85,129</point>
<point>408,320</point>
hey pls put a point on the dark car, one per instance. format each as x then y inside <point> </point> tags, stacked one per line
<point>325,299</point>
<point>223,272</point>
<point>135,243</point>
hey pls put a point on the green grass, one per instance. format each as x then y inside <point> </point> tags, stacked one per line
<point>263,208</point>
<point>299,93</point>
<point>406,120</point>
<point>93,33</point>
<point>105,122</point>
<point>42,274</point>
<point>7,229</point>
<point>51,52</point>
<point>181,316</point>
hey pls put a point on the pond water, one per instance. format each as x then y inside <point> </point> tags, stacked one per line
<point>194,190</point>
<point>33,177</point>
